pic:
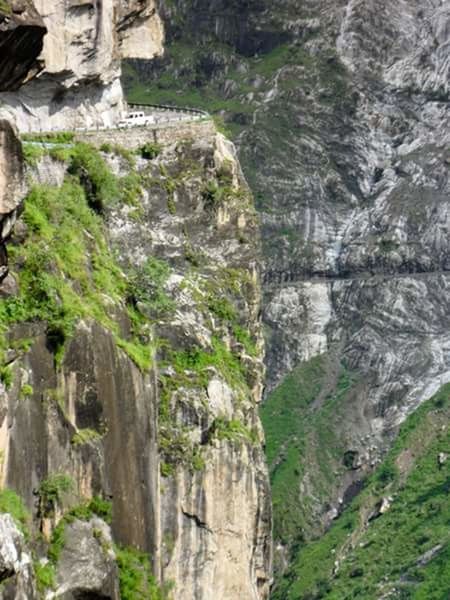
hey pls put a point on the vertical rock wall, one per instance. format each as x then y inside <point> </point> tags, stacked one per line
<point>177,446</point>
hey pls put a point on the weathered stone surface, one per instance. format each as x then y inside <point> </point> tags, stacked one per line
<point>16,570</point>
<point>207,438</point>
<point>140,29</point>
<point>21,37</point>
<point>160,134</point>
<point>87,565</point>
<point>12,187</point>
<point>343,132</point>
<point>80,84</point>
<point>11,173</point>
<point>214,521</point>
<point>219,522</point>
<point>118,465</point>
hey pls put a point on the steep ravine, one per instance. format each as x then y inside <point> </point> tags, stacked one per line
<point>340,113</point>
<point>132,461</point>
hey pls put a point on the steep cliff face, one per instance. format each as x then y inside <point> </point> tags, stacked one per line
<point>132,369</point>
<point>343,134</point>
<point>130,342</point>
<point>79,84</point>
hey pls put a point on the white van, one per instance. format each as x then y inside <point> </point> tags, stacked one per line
<point>134,119</point>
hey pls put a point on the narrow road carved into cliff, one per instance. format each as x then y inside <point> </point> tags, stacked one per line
<point>285,279</point>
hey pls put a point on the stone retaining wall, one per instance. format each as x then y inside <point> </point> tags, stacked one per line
<point>135,137</point>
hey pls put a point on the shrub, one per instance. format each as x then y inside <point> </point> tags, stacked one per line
<point>26,390</point>
<point>51,137</point>
<point>45,575</point>
<point>150,150</point>
<point>95,506</point>
<point>51,490</point>
<point>83,436</point>
<point>13,504</point>
<point>212,194</point>
<point>32,153</point>
<point>135,576</point>
<point>147,287</point>
<point>6,376</point>
<point>98,181</point>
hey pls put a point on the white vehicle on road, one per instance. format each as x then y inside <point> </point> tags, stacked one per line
<point>134,119</point>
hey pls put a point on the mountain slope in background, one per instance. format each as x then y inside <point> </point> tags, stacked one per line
<point>340,112</point>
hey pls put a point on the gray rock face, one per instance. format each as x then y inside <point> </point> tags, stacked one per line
<point>12,187</point>
<point>87,566</point>
<point>343,133</point>
<point>357,246</point>
<point>16,571</point>
<point>214,520</point>
<point>176,447</point>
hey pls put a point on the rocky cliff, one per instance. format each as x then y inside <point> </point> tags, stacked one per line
<point>78,84</point>
<point>131,370</point>
<point>341,117</point>
<point>130,341</point>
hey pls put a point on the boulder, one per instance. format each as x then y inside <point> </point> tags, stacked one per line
<point>87,565</point>
<point>16,569</point>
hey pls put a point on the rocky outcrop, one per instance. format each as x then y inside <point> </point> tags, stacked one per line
<point>140,30</point>
<point>87,566</point>
<point>79,85</point>
<point>141,385</point>
<point>363,248</point>
<point>215,503</point>
<point>16,570</point>
<point>12,187</point>
<point>21,37</point>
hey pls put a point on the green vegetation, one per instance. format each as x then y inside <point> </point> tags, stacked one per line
<point>135,576</point>
<point>300,438</point>
<point>405,551</point>
<point>94,506</point>
<point>233,430</point>
<point>6,376</point>
<point>198,362</point>
<point>66,270</point>
<point>100,184</point>
<point>5,7</point>
<point>84,436</point>
<point>51,491</point>
<point>150,150</point>
<point>147,287</point>
<point>126,154</point>
<point>13,504</point>
<point>54,137</point>
<point>26,390</point>
<point>45,575</point>
<point>32,153</point>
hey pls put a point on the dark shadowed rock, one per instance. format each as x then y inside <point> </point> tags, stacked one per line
<point>11,185</point>
<point>22,32</point>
